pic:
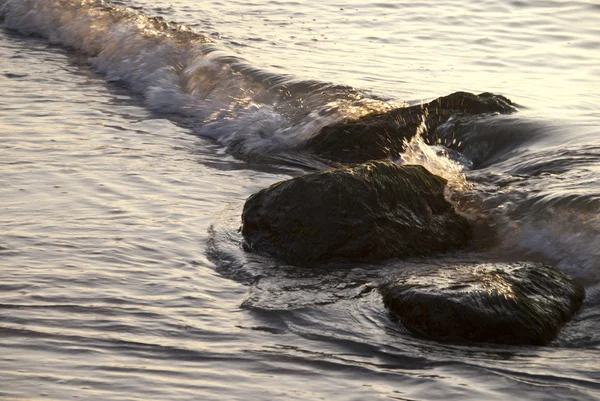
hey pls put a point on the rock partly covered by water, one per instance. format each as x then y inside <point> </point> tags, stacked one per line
<point>371,211</point>
<point>380,136</point>
<point>515,303</point>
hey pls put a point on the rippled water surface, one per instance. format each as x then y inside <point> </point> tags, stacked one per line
<point>127,148</point>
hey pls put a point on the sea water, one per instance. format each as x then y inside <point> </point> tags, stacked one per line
<point>131,132</point>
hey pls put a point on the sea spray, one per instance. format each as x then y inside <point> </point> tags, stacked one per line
<point>435,159</point>
<point>462,194</point>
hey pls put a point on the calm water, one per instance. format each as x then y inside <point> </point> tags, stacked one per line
<point>128,147</point>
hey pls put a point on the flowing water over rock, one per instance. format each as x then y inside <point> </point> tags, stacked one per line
<point>132,132</point>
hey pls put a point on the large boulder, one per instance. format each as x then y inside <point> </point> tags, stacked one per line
<point>371,211</point>
<point>380,136</point>
<point>514,303</point>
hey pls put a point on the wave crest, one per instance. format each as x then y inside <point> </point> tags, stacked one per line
<point>186,75</point>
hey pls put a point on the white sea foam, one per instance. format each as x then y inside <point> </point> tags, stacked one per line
<point>184,74</point>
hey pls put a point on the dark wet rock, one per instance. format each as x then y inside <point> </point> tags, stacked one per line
<point>371,211</point>
<point>380,136</point>
<point>515,303</point>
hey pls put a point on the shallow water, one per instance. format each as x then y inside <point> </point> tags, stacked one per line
<point>126,155</point>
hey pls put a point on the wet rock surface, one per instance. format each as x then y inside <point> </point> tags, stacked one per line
<point>380,136</point>
<point>380,210</point>
<point>371,211</point>
<point>506,303</point>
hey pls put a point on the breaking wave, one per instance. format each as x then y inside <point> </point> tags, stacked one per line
<point>185,74</point>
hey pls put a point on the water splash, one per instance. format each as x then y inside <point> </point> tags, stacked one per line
<point>435,158</point>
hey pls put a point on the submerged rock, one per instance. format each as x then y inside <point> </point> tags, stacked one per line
<point>515,303</point>
<point>371,211</point>
<point>380,136</point>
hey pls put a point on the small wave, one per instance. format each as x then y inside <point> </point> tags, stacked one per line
<point>187,75</point>
<point>545,199</point>
<point>568,238</point>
